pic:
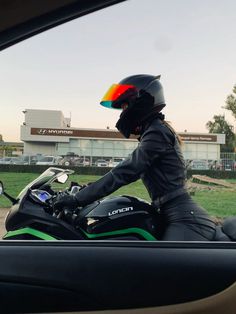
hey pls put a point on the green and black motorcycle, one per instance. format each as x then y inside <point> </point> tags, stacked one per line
<point>32,215</point>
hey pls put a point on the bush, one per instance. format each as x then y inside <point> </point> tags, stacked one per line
<point>39,169</point>
<point>99,171</point>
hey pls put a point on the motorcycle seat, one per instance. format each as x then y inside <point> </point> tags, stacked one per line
<point>221,236</point>
<point>229,227</point>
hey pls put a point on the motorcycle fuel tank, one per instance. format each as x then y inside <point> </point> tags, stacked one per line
<point>119,217</point>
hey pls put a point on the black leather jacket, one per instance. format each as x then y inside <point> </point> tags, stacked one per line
<point>157,160</point>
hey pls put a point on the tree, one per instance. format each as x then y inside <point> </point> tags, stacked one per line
<point>231,102</point>
<point>220,125</point>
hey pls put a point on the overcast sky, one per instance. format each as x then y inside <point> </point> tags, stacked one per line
<point>191,43</point>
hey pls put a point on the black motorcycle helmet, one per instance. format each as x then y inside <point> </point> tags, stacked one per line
<point>141,95</point>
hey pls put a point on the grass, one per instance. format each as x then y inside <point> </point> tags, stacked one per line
<point>221,203</point>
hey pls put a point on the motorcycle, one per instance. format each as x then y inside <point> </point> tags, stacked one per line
<point>33,217</point>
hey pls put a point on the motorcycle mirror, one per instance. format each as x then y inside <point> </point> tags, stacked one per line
<point>1,188</point>
<point>2,192</point>
<point>62,178</point>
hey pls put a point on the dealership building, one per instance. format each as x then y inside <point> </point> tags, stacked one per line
<point>48,132</point>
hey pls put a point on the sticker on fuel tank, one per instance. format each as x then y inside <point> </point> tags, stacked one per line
<point>120,211</point>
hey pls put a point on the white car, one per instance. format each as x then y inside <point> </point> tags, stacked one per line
<point>115,161</point>
<point>49,160</point>
<point>199,164</point>
<point>9,161</point>
<point>101,163</point>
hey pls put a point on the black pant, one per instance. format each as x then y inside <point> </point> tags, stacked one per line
<point>185,220</point>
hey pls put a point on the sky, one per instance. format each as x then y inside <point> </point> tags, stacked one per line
<point>191,43</point>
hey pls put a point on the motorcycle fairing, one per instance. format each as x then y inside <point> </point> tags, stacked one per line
<point>137,232</point>
<point>29,233</point>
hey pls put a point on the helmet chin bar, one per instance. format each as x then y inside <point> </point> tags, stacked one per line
<point>123,129</point>
<point>130,121</point>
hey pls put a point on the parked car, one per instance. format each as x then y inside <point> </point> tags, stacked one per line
<point>85,162</point>
<point>75,160</point>
<point>29,159</point>
<point>199,164</point>
<point>227,164</point>
<point>70,160</point>
<point>49,160</point>
<point>115,161</point>
<point>81,162</point>
<point>9,161</point>
<point>101,163</point>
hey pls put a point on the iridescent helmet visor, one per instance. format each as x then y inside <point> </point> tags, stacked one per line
<point>116,95</point>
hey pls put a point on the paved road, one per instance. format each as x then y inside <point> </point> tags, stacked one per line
<point>3,212</point>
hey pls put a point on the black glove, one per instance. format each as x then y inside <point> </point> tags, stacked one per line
<point>85,185</point>
<point>65,202</point>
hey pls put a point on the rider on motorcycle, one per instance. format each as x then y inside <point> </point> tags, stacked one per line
<point>157,160</point>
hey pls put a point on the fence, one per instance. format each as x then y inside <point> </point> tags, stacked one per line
<point>226,162</point>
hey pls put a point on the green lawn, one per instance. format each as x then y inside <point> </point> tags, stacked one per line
<point>218,203</point>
